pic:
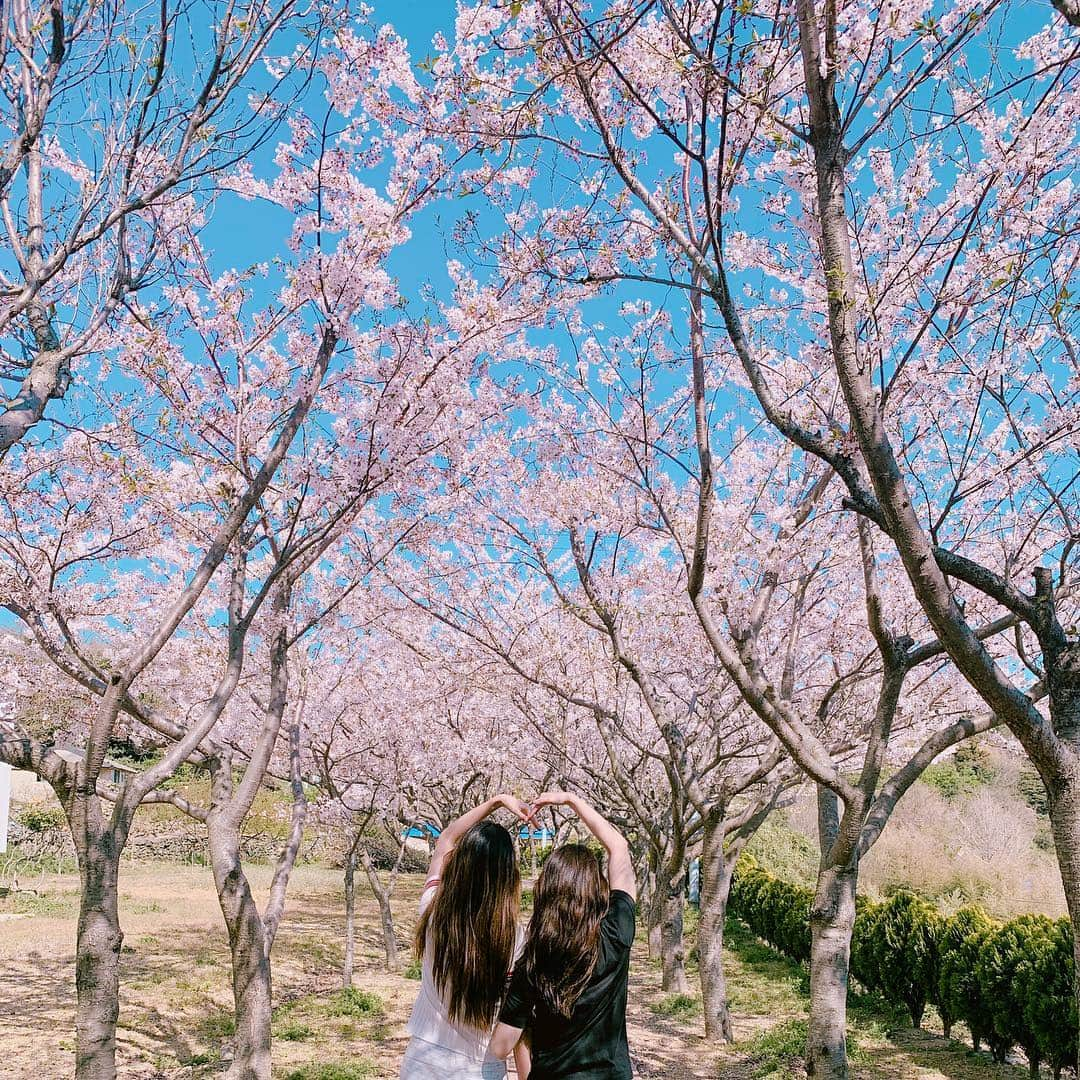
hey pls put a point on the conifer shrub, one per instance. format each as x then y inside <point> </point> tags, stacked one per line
<point>1010,983</point>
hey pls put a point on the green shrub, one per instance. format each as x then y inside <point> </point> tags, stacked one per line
<point>413,969</point>
<point>677,1007</point>
<point>900,947</point>
<point>863,941</point>
<point>1044,983</point>
<point>294,1031</point>
<point>959,998</point>
<point>1011,983</point>
<point>969,768</point>
<point>1044,836</point>
<point>339,1070</point>
<point>997,968</point>
<point>525,857</point>
<point>974,760</point>
<point>945,778</point>
<point>353,1002</point>
<point>774,909</point>
<point>1032,790</point>
<point>41,819</point>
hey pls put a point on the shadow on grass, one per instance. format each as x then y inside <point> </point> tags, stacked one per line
<point>40,991</point>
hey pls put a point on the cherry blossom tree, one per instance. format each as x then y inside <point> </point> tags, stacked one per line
<point>195,493</point>
<point>123,123</point>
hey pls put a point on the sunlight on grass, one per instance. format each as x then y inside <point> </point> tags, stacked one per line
<point>677,1007</point>
<point>778,1052</point>
<point>344,1070</point>
<point>353,1002</point>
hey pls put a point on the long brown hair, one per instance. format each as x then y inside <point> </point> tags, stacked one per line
<point>471,924</point>
<point>563,943</point>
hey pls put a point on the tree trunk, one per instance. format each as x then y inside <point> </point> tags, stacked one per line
<point>1064,792</point>
<point>716,873</point>
<point>250,958</point>
<point>654,915</point>
<point>390,947</point>
<point>350,919</point>
<point>386,914</point>
<point>97,950</point>
<point>832,918</point>
<point>672,945</point>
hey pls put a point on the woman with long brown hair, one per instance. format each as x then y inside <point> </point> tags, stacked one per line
<point>467,940</point>
<point>569,989</point>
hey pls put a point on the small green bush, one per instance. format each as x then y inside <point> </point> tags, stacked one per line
<point>294,1031</point>
<point>959,998</point>
<point>969,768</point>
<point>41,819</point>
<point>1044,985</point>
<point>973,759</point>
<point>997,969</point>
<point>1032,790</point>
<point>896,953</point>
<point>413,969</point>
<point>677,1007</point>
<point>525,858</point>
<point>340,1070</point>
<point>353,1002</point>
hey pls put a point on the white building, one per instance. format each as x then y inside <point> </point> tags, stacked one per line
<point>20,786</point>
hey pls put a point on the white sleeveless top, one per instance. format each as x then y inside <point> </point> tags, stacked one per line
<point>429,1021</point>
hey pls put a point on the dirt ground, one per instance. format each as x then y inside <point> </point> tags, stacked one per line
<point>175,1011</point>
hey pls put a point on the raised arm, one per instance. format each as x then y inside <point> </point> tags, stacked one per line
<point>453,832</point>
<point>620,867</point>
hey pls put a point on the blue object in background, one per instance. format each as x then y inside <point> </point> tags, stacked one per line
<point>422,832</point>
<point>545,836</point>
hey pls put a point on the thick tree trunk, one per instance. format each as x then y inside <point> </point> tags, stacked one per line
<point>1064,793</point>
<point>1062,774</point>
<point>350,919</point>
<point>97,950</point>
<point>716,873</point>
<point>250,958</point>
<point>832,918</point>
<point>672,944</point>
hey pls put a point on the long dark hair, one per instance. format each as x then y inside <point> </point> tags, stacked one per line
<point>563,943</point>
<point>471,924</point>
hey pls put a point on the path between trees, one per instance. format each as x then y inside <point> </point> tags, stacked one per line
<point>176,1017</point>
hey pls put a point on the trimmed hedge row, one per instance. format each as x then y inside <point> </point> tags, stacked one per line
<point>1010,982</point>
